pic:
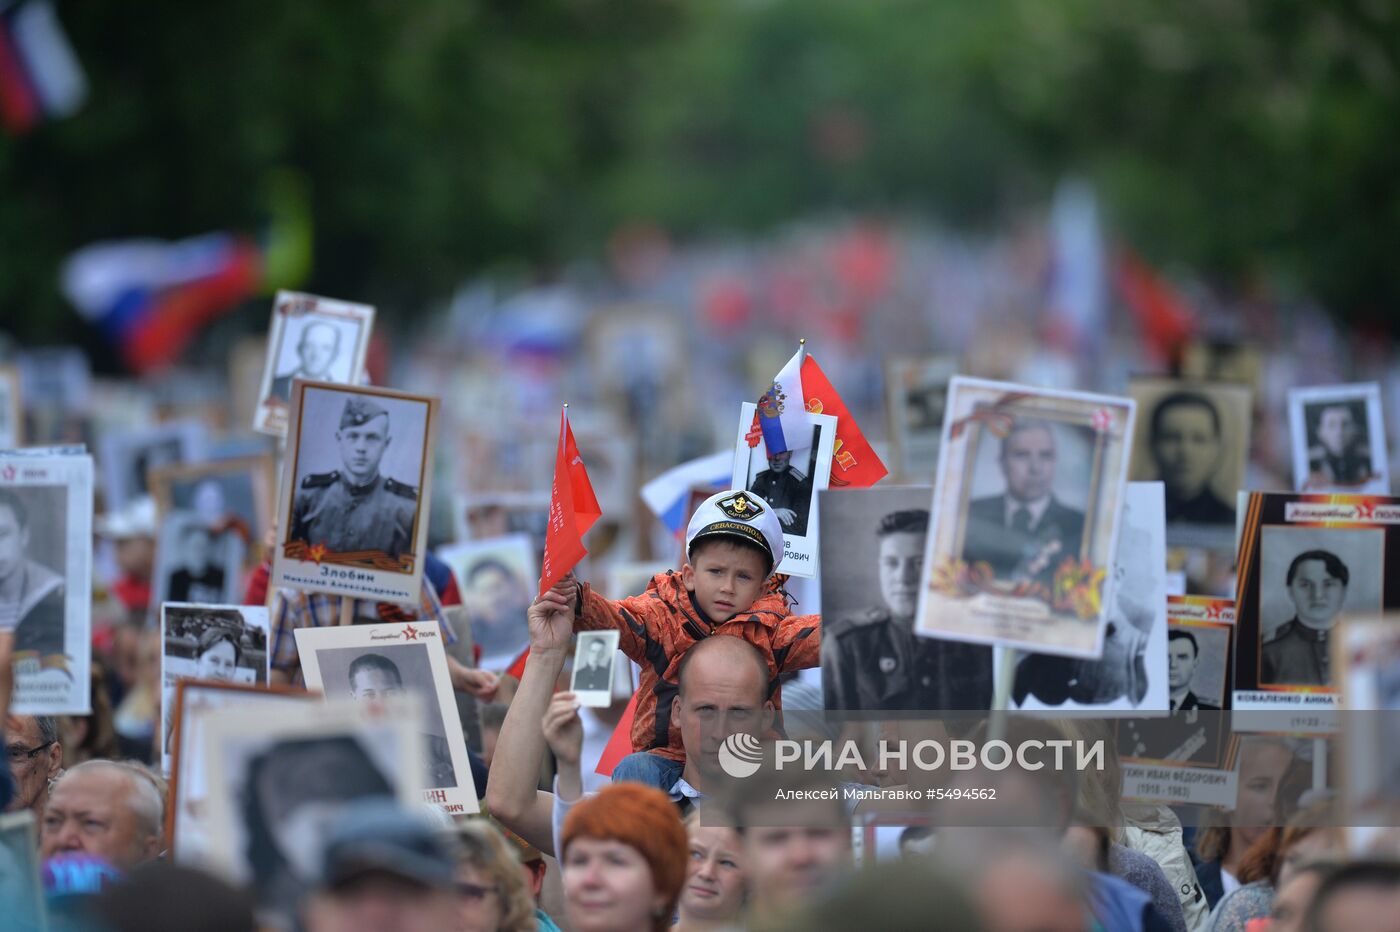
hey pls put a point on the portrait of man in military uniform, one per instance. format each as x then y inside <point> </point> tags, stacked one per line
<point>356,509</point>
<point>373,676</point>
<point>1339,451</point>
<point>1183,656</point>
<point>873,659</point>
<point>1297,651</point>
<point>1024,533</point>
<point>318,351</point>
<point>787,488</point>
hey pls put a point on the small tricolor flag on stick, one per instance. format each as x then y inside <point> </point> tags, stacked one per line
<point>572,509</point>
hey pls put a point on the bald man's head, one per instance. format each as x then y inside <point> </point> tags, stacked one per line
<point>317,348</point>
<point>719,651</point>
<point>724,689</point>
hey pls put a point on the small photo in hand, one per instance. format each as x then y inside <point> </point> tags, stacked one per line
<point>594,657</point>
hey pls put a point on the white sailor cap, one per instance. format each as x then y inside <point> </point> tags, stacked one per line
<point>736,513</point>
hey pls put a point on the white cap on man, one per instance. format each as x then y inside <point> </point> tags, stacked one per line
<point>740,514</point>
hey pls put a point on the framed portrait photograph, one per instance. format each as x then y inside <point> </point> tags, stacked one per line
<point>916,393</point>
<point>595,653</point>
<point>497,578</point>
<point>873,543</point>
<point>196,562</point>
<point>129,457</point>
<point>46,580</point>
<point>187,812</point>
<point>485,516</point>
<point>1366,652</point>
<point>236,493</point>
<point>11,409</point>
<point>1027,503</point>
<point>212,643</point>
<point>789,482</point>
<point>1131,675</point>
<point>1193,437</point>
<point>353,514</point>
<point>364,663</point>
<point>1185,757</point>
<point>314,339</point>
<point>21,884</point>
<point>1338,437</point>
<point>1306,562</point>
<point>278,784</point>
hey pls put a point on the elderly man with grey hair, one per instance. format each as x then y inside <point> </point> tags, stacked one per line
<point>106,809</point>
<point>35,757</point>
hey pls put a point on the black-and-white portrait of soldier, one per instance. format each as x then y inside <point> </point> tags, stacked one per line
<point>359,469</point>
<point>33,553</point>
<point>1197,679</point>
<point>784,480</point>
<point>1309,578</point>
<point>1339,446</point>
<point>872,563</point>
<point>370,674</point>
<point>1183,660</point>
<point>1194,439</point>
<point>1138,607</point>
<point>1029,490</point>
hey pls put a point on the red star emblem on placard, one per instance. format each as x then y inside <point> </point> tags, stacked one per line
<point>9,471</point>
<point>1365,511</point>
<point>1102,420</point>
<point>1213,612</point>
<point>317,553</point>
<point>410,633</point>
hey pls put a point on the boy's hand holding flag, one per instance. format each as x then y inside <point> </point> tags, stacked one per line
<point>572,509</point>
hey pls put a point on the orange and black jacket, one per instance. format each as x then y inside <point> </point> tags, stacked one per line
<point>662,623</point>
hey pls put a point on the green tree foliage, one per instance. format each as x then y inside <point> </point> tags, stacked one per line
<point>439,137</point>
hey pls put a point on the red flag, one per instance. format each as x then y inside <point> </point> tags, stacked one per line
<point>1164,318</point>
<point>853,462</point>
<point>620,744</point>
<point>517,666</point>
<point>572,510</point>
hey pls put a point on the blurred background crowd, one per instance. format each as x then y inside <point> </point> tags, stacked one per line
<point>639,208</point>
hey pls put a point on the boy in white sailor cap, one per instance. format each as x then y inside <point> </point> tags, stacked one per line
<point>734,542</point>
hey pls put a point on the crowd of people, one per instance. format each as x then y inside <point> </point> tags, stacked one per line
<point>718,649</point>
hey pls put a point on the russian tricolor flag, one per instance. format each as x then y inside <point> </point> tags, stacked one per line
<point>151,297</point>
<point>39,74</point>
<point>782,410</point>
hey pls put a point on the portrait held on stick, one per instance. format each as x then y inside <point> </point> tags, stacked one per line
<point>313,339</point>
<point>1027,508</point>
<point>1339,442</point>
<point>45,572</point>
<point>367,663</point>
<point>1193,437</point>
<point>1307,562</point>
<point>788,482</point>
<point>872,566</point>
<point>354,505</point>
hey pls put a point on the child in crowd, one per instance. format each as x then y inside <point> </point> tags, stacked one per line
<point>733,544</point>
